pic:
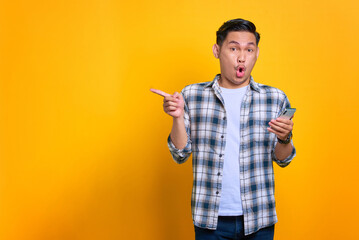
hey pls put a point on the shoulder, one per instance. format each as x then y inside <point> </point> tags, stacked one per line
<point>195,89</point>
<point>270,96</point>
<point>271,91</point>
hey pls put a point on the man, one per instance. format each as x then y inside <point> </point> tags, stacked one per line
<point>232,127</point>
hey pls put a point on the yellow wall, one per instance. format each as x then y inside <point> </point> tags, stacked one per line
<point>83,141</point>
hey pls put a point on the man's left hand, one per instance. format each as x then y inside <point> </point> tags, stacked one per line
<point>281,127</point>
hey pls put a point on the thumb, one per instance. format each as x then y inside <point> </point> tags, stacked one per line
<point>178,96</point>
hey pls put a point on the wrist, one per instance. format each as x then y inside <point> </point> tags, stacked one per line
<point>287,140</point>
<point>178,119</point>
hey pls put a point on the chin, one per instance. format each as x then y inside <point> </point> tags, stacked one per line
<point>239,81</point>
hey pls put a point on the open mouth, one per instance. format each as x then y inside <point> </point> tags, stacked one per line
<point>240,71</point>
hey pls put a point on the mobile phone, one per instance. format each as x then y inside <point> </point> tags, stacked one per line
<point>288,113</point>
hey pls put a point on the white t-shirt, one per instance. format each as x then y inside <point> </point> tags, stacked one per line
<point>231,203</point>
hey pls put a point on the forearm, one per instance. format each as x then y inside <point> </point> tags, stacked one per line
<point>178,133</point>
<point>282,151</point>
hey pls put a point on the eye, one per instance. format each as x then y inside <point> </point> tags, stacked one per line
<point>233,49</point>
<point>250,50</point>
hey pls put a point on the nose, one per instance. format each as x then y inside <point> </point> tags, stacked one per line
<point>241,57</point>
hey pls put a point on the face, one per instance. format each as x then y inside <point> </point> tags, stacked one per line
<point>237,57</point>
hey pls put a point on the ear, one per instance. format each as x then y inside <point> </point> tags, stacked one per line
<point>215,49</point>
<point>257,52</point>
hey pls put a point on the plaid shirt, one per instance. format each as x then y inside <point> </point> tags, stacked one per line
<point>205,121</point>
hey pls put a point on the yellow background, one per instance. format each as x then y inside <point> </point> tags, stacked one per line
<point>83,150</point>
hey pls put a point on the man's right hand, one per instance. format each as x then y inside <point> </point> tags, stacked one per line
<point>173,105</point>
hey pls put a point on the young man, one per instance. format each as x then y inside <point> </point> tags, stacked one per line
<point>231,127</point>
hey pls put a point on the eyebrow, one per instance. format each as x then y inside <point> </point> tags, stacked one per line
<point>235,42</point>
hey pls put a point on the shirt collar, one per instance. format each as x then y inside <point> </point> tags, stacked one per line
<point>214,84</point>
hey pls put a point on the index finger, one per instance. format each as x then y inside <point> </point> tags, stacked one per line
<point>159,92</point>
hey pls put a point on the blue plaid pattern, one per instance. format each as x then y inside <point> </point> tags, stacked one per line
<point>205,121</point>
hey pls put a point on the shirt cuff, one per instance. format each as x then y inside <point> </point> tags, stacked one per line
<point>285,162</point>
<point>181,153</point>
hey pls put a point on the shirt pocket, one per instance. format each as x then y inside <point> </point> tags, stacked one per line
<point>262,136</point>
<point>206,144</point>
<point>269,138</point>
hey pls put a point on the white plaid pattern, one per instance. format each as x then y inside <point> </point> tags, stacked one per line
<point>205,120</point>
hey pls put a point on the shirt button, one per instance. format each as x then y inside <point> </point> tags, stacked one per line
<point>224,118</point>
<point>217,192</point>
<point>222,136</point>
<point>220,155</point>
<point>218,174</point>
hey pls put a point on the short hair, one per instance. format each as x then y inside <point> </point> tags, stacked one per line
<point>236,25</point>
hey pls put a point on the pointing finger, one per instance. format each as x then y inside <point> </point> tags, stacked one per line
<point>159,92</point>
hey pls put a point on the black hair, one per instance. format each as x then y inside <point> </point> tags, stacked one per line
<point>233,25</point>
